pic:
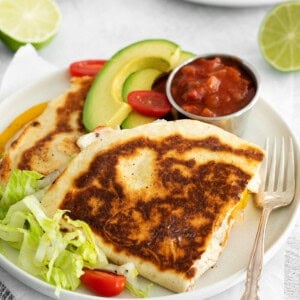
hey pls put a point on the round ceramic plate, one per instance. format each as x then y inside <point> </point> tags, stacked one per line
<point>237,3</point>
<point>230,268</point>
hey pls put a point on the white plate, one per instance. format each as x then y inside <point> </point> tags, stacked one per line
<point>237,3</point>
<point>230,268</point>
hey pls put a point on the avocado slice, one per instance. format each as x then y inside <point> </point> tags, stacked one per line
<point>104,104</point>
<point>140,80</point>
<point>143,80</point>
<point>184,55</point>
<point>135,119</point>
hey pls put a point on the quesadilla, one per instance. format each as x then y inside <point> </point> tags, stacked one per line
<point>161,195</point>
<point>48,142</point>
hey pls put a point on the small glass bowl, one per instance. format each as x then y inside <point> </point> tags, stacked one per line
<point>234,122</point>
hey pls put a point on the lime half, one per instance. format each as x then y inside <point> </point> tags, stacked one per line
<point>279,36</point>
<point>28,21</point>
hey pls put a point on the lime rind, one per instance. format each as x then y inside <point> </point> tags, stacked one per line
<point>28,21</point>
<point>14,45</point>
<point>279,37</point>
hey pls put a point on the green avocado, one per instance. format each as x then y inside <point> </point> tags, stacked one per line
<point>140,80</point>
<point>184,55</point>
<point>143,80</point>
<point>135,119</point>
<point>104,104</point>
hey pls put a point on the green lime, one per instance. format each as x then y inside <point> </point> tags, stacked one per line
<point>279,36</point>
<point>28,21</point>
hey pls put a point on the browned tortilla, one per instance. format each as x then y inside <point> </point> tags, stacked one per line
<point>159,195</point>
<point>49,142</point>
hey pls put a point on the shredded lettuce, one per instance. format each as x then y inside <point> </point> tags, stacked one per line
<point>134,290</point>
<point>58,256</point>
<point>56,249</point>
<point>45,249</point>
<point>131,273</point>
<point>21,183</point>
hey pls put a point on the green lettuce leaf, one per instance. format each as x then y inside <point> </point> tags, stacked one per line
<point>45,250</point>
<point>21,183</point>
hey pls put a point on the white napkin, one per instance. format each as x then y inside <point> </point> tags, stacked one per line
<point>27,66</point>
<point>292,265</point>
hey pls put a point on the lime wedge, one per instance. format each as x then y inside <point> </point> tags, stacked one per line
<point>279,36</point>
<point>28,21</point>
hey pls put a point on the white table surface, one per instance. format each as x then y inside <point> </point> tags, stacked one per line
<point>96,29</point>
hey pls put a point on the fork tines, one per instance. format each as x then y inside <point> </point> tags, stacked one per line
<point>278,171</point>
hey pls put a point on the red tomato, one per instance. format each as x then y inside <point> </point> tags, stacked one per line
<point>103,283</point>
<point>86,67</point>
<point>149,103</point>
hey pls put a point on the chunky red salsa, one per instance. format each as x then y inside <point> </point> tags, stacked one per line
<point>212,87</point>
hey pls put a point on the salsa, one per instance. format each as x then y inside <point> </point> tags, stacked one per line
<point>212,87</point>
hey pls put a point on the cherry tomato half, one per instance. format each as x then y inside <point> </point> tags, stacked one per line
<point>86,67</point>
<point>149,103</point>
<point>103,283</point>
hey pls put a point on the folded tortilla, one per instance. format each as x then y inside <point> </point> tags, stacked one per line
<point>49,142</point>
<point>160,195</point>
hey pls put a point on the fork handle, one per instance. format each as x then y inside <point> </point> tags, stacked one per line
<point>256,260</point>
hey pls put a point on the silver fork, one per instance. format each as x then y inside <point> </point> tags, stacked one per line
<point>277,189</point>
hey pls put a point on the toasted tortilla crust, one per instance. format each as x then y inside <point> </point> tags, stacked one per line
<point>155,194</point>
<point>47,143</point>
